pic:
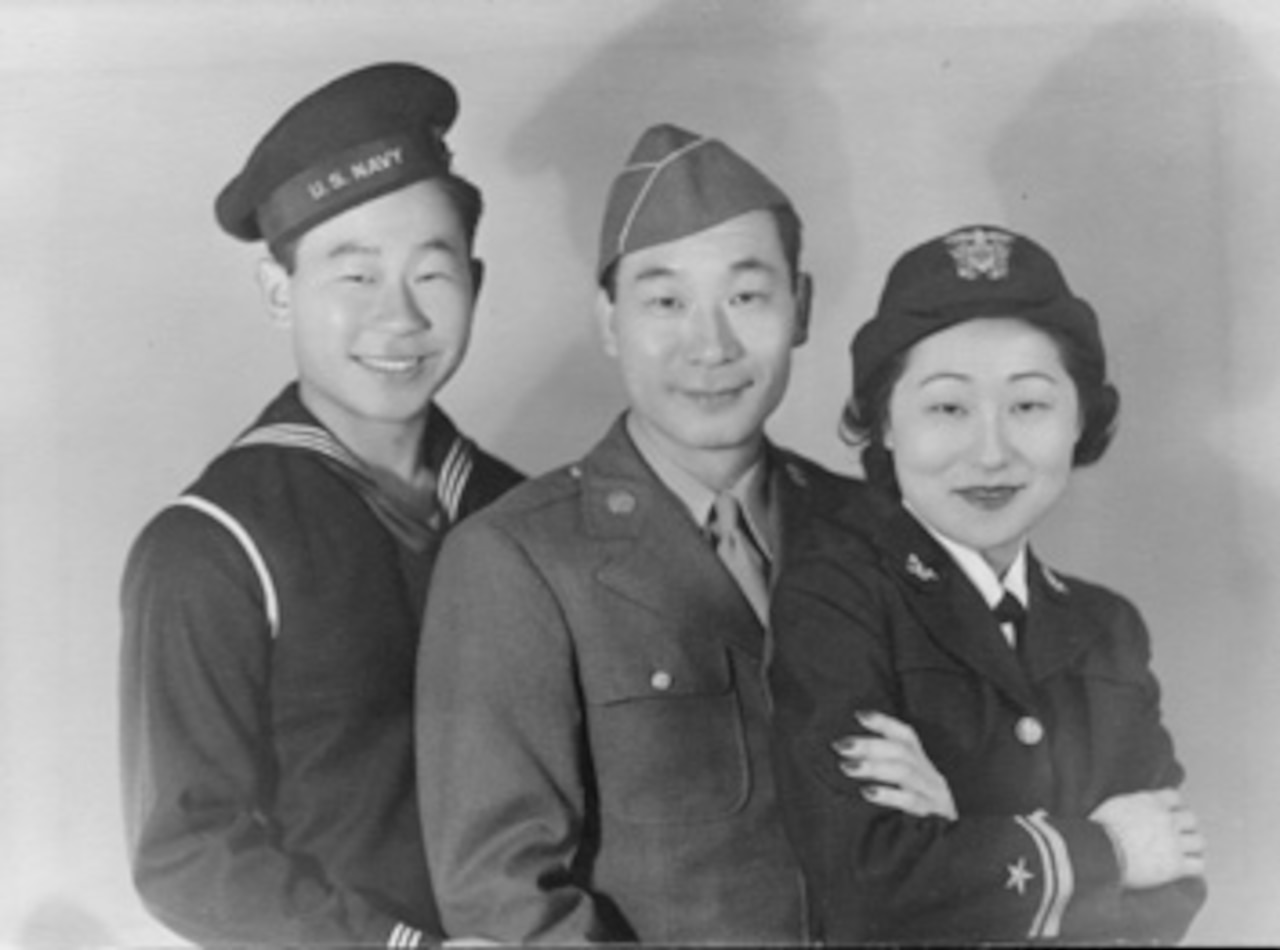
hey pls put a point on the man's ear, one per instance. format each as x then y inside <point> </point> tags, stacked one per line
<point>804,306</point>
<point>477,277</point>
<point>604,320</point>
<point>277,291</point>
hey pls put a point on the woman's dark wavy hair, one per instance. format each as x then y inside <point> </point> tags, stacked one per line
<point>867,414</point>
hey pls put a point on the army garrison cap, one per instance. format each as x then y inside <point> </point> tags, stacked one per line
<point>974,271</point>
<point>361,136</point>
<point>675,184</point>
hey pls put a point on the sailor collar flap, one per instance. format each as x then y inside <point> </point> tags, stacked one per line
<point>288,424</point>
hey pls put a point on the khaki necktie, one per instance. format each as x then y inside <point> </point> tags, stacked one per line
<point>740,554</point>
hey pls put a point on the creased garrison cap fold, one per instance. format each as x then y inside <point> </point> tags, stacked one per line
<point>678,183</point>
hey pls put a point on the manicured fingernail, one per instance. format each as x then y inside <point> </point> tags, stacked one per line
<point>845,745</point>
<point>870,792</point>
<point>851,766</point>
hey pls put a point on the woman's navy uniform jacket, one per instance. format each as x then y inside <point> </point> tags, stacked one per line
<point>871,613</point>
<point>271,619</point>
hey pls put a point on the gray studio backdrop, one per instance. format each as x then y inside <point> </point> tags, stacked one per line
<point>1139,139</point>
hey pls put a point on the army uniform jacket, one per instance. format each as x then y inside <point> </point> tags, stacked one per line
<point>871,613</point>
<point>271,620</point>
<point>593,717</point>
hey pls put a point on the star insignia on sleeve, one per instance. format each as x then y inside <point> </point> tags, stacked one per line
<point>1018,877</point>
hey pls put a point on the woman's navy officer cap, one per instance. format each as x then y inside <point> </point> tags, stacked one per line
<point>974,271</point>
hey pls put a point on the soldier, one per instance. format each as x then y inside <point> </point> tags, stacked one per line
<point>592,712</point>
<point>979,384</point>
<point>272,613</point>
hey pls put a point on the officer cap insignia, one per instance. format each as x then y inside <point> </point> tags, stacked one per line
<point>980,252</point>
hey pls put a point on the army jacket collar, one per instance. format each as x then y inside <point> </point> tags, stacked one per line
<point>660,558</point>
<point>752,490</point>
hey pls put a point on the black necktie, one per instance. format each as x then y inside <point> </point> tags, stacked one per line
<point>1011,611</point>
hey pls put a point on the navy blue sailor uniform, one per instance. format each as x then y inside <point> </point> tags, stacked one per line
<point>271,622</point>
<point>870,613</point>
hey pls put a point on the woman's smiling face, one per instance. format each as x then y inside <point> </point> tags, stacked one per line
<point>982,425</point>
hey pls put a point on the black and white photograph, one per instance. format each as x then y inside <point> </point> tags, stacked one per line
<point>669,472</point>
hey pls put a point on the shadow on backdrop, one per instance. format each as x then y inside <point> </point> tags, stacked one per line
<point>1132,160</point>
<point>744,71</point>
<point>59,923</point>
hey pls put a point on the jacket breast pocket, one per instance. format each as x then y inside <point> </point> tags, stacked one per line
<point>666,730</point>
<point>1110,708</point>
<point>948,704</point>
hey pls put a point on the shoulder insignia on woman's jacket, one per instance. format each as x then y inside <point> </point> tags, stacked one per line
<point>920,570</point>
<point>1054,581</point>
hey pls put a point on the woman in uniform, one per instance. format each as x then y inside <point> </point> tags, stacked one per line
<point>980,384</point>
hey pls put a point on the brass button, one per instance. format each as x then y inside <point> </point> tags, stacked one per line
<point>660,681</point>
<point>1029,730</point>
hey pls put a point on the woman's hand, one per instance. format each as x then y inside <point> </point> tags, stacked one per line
<point>1157,838</point>
<point>894,768</point>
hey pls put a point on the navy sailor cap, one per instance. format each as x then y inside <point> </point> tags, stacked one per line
<point>361,136</point>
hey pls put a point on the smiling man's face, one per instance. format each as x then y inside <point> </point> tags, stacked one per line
<point>703,328</point>
<point>380,304</point>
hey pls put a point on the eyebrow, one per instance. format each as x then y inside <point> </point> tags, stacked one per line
<point>747,265</point>
<point>753,265</point>
<point>946,375</point>
<point>358,249</point>
<point>656,272</point>
<point>351,249</point>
